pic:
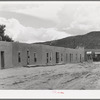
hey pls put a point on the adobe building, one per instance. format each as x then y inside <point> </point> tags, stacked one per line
<point>5,55</point>
<point>92,55</point>
<point>13,54</point>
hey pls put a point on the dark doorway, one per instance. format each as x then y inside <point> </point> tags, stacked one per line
<point>57,57</point>
<point>70,57</point>
<point>35,57</point>
<point>61,57</point>
<point>2,59</point>
<point>28,58</point>
<point>47,58</point>
<point>89,57</point>
<point>96,57</point>
<point>19,58</point>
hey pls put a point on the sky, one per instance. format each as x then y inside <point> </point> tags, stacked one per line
<point>40,21</point>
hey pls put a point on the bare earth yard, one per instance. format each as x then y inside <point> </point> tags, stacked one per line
<point>81,76</point>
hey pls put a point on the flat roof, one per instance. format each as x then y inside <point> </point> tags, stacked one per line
<point>97,52</point>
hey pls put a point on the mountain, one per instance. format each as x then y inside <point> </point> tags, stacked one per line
<point>28,20</point>
<point>90,40</point>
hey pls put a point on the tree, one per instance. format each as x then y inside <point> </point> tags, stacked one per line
<point>2,34</point>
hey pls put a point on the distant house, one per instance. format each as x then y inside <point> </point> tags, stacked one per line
<point>92,54</point>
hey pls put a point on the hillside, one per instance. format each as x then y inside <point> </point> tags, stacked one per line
<point>90,40</point>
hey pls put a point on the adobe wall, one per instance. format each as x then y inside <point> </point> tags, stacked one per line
<point>61,51</point>
<point>51,50</point>
<point>23,48</point>
<point>77,55</point>
<point>7,48</point>
<point>73,55</point>
<point>81,51</point>
<point>12,49</point>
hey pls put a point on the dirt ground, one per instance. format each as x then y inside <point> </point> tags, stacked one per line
<point>81,76</point>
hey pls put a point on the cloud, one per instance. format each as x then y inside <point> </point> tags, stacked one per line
<point>46,10</point>
<point>71,17</point>
<point>14,6</point>
<point>29,34</point>
<point>80,17</point>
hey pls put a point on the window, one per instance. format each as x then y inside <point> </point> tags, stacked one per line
<point>50,56</point>
<point>35,57</point>
<point>19,58</point>
<point>47,54</point>
<point>28,54</point>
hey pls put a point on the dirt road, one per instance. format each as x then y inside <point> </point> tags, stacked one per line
<point>82,76</point>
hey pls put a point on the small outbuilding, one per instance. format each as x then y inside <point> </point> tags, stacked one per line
<point>92,54</point>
